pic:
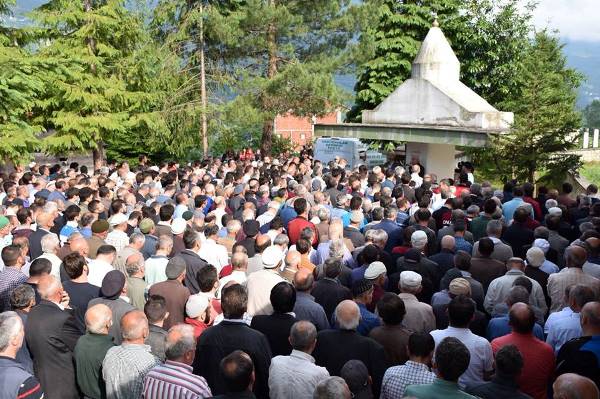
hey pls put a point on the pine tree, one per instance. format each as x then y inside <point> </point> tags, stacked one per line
<point>592,114</point>
<point>545,115</point>
<point>19,85</point>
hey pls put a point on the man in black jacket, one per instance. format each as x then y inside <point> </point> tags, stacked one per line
<point>193,261</point>
<point>335,347</point>
<point>277,326</point>
<point>328,292</point>
<point>51,336</point>
<point>45,222</point>
<point>233,334</point>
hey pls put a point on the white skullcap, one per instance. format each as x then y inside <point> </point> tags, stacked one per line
<point>410,279</point>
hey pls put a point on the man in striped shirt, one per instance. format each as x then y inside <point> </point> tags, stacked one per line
<point>174,379</point>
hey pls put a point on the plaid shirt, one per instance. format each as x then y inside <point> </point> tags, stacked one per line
<point>10,278</point>
<point>397,378</point>
<point>124,368</point>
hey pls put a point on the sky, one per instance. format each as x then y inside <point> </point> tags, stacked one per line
<point>577,20</point>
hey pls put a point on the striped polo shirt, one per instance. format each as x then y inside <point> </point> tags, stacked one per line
<point>175,380</point>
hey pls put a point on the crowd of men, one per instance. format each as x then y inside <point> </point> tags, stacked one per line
<point>290,278</point>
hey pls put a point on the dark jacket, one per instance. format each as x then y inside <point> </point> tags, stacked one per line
<point>194,263</point>
<point>35,243</point>
<point>354,234</point>
<point>89,354</point>
<point>485,270</point>
<point>444,260</point>
<point>219,341</point>
<point>518,237</point>
<point>394,340</point>
<point>276,328</point>
<point>51,336</point>
<point>157,339</point>
<point>329,293</point>
<point>335,347</point>
<point>176,296</point>
<point>497,388</point>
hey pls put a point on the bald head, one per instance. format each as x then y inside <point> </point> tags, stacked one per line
<point>590,318</point>
<point>303,280</point>
<point>293,259</point>
<point>521,318</point>
<point>347,315</point>
<point>50,288</point>
<point>79,244</point>
<point>239,261</point>
<point>575,256</point>
<point>134,326</point>
<point>45,220</point>
<point>98,319</point>
<point>448,242</point>
<point>263,240</point>
<point>574,386</point>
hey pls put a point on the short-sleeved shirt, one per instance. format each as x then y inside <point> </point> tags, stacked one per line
<point>482,358</point>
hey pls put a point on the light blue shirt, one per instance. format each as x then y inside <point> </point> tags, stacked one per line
<point>179,211</point>
<point>563,330</point>
<point>509,208</point>
<point>555,316</point>
<point>549,267</point>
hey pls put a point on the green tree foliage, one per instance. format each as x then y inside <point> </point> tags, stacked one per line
<point>545,117</point>
<point>19,85</point>
<point>591,114</point>
<point>488,37</point>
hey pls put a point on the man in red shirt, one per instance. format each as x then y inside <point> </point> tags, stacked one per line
<point>528,197</point>
<point>538,356</point>
<point>295,226</point>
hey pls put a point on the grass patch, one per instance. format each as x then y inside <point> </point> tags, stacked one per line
<point>591,171</point>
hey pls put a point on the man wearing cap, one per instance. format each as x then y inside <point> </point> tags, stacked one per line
<point>261,283</point>
<point>197,310</point>
<point>118,237</point>
<point>414,260</point>
<point>148,229</point>
<point>178,229</point>
<point>375,273</point>
<point>362,292</point>
<point>113,294</point>
<point>460,286</point>
<point>99,232</point>
<point>4,232</point>
<point>173,291</point>
<point>419,315</point>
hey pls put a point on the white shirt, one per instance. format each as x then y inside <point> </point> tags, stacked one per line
<point>265,218</point>
<point>259,286</point>
<point>239,276</point>
<point>56,262</point>
<point>417,179</point>
<point>155,269</point>
<point>219,212</point>
<point>215,254</point>
<point>97,270</point>
<point>563,329</point>
<point>295,376</point>
<point>482,358</point>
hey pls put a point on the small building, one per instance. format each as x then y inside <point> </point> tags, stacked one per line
<point>432,112</point>
<point>300,130</point>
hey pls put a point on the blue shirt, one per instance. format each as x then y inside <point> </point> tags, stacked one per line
<point>499,326</point>
<point>463,245</point>
<point>509,208</point>
<point>287,213</point>
<point>549,267</point>
<point>358,273</point>
<point>368,321</point>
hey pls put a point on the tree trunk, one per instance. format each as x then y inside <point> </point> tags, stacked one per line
<point>267,133</point>
<point>203,100</point>
<point>99,155</point>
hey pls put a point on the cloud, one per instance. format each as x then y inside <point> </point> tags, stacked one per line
<point>574,19</point>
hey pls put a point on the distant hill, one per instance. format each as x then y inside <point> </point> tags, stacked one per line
<point>583,56</point>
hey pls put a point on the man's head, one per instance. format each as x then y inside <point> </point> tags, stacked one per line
<point>460,311</point>
<point>303,280</point>
<point>11,334</point>
<point>180,345</point>
<point>22,297</point>
<point>283,297</point>
<point>12,256</point>
<point>410,282</point>
<point>332,388</point>
<point>134,326</point>
<point>50,288</point>
<point>347,315</point>
<point>303,336</point>
<point>590,318</point>
<point>237,370</point>
<point>98,319</point>
<point>451,359</point>
<point>234,301</point>
<point>391,309</point>
<point>462,261</point>
<point>357,377</point>
<point>420,347</point>
<point>575,256</point>
<point>155,309</point>
<point>448,242</point>
<point>521,318</point>
<point>515,263</point>
<point>574,386</point>
<point>509,362</point>
<point>579,295</point>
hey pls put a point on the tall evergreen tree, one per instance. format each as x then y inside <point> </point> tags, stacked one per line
<point>545,116</point>
<point>19,85</point>
<point>591,114</point>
